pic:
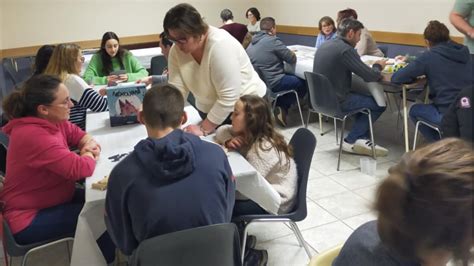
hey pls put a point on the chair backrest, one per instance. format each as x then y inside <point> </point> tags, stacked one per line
<point>158,64</point>
<point>210,245</point>
<point>322,95</point>
<point>3,152</point>
<point>384,49</point>
<point>303,143</point>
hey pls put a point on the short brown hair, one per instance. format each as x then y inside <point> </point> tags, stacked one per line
<point>163,106</point>
<point>328,20</point>
<point>426,202</point>
<point>346,13</point>
<point>436,32</point>
<point>185,18</point>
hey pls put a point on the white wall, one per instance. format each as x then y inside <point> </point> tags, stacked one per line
<point>379,15</point>
<point>36,22</point>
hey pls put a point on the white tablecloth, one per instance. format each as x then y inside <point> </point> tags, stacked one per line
<point>305,60</point>
<point>143,55</point>
<point>122,139</point>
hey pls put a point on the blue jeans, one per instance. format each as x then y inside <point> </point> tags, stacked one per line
<point>289,82</point>
<point>360,129</point>
<point>428,113</point>
<point>61,221</point>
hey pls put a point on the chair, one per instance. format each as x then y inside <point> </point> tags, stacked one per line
<point>326,257</point>
<point>158,64</point>
<point>303,143</point>
<point>323,100</point>
<point>3,152</point>
<point>212,245</point>
<point>384,49</point>
<point>15,250</point>
<point>273,96</point>
<point>428,124</point>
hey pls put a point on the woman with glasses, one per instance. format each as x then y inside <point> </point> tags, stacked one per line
<point>66,63</point>
<point>111,57</point>
<point>253,16</point>
<point>41,199</point>
<point>209,63</point>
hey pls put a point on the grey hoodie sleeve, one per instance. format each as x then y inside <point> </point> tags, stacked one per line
<point>353,62</point>
<point>283,52</point>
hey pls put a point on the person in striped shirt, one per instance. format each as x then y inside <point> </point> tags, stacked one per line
<point>66,63</point>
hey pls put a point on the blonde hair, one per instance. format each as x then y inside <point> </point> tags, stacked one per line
<point>426,202</point>
<point>63,61</point>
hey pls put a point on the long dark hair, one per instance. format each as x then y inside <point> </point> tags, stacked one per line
<point>260,126</point>
<point>106,59</point>
<point>38,90</point>
<point>42,58</point>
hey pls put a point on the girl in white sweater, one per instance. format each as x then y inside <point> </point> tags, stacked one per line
<point>252,134</point>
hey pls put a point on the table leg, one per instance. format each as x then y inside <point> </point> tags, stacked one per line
<point>405,117</point>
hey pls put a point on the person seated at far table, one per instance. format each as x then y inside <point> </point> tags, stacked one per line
<point>42,58</point>
<point>448,69</point>
<point>327,30</point>
<point>237,30</point>
<point>366,45</point>
<point>268,53</point>
<point>165,46</point>
<point>424,210</point>
<point>171,181</point>
<point>111,58</point>
<point>253,16</point>
<point>41,199</point>
<point>337,60</point>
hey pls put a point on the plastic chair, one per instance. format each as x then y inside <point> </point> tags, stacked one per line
<point>326,257</point>
<point>15,250</point>
<point>158,64</point>
<point>303,143</point>
<point>212,245</point>
<point>4,140</point>
<point>273,96</point>
<point>428,124</point>
<point>323,100</point>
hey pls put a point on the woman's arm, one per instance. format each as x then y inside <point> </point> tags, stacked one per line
<point>92,100</point>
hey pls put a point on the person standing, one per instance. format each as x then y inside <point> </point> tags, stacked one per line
<point>462,18</point>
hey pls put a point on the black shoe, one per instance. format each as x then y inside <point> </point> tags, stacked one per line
<point>256,257</point>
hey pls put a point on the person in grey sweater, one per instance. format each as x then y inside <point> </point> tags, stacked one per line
<point>268,54</point>
<point>337,60</point>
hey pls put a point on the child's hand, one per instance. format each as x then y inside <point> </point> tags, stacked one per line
<point>234,143</point>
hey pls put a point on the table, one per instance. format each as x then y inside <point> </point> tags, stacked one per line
<point>122,139</point>
<point>143,55</point>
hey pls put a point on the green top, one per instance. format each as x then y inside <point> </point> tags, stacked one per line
<point>466,9</point>
<point>96,73</point>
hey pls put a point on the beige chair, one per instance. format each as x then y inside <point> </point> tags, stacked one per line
<point>326,257</point>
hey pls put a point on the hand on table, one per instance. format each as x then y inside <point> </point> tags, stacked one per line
<point>194,129</point>
<point>400,58</point>
<point>381,62</point>
<point>146,80</point>
<point>102,91</point>
<point>234,143</point>
<point>91,146</point>
<point>112,80</point>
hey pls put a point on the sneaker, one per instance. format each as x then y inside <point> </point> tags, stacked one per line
<point>256,257</point>
<point>280,116</point>
<point>363,146</point>
<point>347,147</point>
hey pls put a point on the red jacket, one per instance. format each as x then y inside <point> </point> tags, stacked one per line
<point>41,169</point>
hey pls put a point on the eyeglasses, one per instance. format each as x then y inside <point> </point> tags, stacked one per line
<point>65,103</point>
<point>182,40</point>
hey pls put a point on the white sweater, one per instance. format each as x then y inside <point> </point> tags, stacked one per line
<point>284,179</point>
<point>225,74</point>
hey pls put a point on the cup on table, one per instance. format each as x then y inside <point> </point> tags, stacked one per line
<point>368,166</point>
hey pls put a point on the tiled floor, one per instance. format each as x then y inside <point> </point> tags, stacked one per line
<point>338,202</point>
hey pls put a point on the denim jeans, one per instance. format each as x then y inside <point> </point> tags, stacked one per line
<point>360,128</point>
<point>289,82</point>
<point>428,113</point>
<point>61,221</point>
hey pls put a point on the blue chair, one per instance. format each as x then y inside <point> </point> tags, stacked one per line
<point>212,245</point>
<point>158,64</point>
<point>323,100</point>
<point>303,143</point>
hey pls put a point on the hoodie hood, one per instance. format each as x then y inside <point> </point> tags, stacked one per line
<point>170,158</point>
<point>258,36</point>
<point>453,51</point>
<point>27,121</point>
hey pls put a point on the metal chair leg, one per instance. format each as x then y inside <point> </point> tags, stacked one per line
<point>307,119</point>
<point>371,135</point>
<point>416,134</point>
<point>335,128</point>
<point>299,107</point>
<point>340,144</point>
<point>300,238</point>
<point>321,124</point>
<point>244,241</point>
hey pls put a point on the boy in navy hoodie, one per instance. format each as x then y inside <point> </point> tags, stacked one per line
<point>171,181</point>
<point>448,69</point>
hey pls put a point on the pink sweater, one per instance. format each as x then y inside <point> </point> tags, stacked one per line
<point>41,170</point>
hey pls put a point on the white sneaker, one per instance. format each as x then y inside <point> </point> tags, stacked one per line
<point>364,146</point>
<point>347,147</point>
